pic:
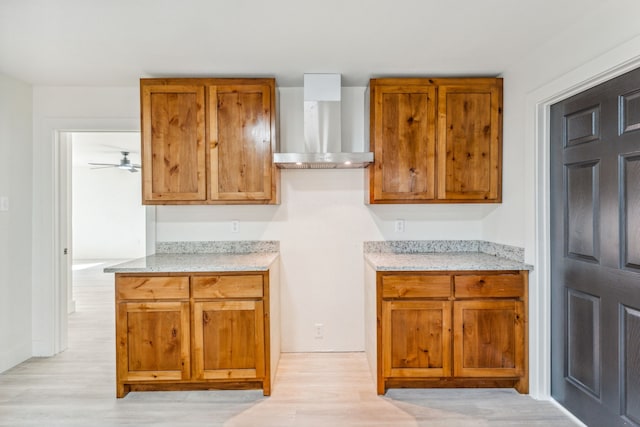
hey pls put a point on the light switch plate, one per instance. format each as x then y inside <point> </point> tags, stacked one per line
<point>4,203</point>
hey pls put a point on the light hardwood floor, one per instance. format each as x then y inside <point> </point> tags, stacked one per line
<point>77,388</point>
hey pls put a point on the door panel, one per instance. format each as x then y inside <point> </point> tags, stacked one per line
<point>582,210</point>
<point>631,364</point>
<point>595,252</point>
<point>583,325</point>
<point>631,215</point>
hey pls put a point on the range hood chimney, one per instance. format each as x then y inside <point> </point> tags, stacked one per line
<point>322,146</point>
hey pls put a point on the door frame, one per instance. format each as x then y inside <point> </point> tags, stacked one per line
<point>53,306</point>
<point>537,173</point>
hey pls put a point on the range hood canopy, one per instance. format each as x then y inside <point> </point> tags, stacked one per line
<point>322,146</point>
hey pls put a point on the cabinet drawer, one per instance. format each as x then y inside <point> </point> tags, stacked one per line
<point>416,286</point>
<point>248,286</point>
<point>152,288</point>
<point>494,285</point>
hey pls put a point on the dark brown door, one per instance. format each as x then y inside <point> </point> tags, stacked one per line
<point>595,253</point>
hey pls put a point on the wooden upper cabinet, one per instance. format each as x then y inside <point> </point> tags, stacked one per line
<point>173,152</point>
<point>209,141</point>
<point>405,130</point>
<point>240,142</point>
<point>435,140</point>
<point>469,141</point>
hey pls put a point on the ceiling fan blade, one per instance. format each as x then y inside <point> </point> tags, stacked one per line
<point>104,167</point>
<point>102,164</point>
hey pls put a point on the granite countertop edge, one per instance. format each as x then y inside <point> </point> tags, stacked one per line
<point>197,262</point>
<point>434,261</point>
<point>443,255</point>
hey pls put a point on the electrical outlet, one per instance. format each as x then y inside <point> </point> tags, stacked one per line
<point>235,226</point>
<point>399,226</point>
<point>4,203</point>
<point>319,331</point>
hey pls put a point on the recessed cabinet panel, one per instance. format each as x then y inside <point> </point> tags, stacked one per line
<point>405,155</point>
<point>240,141</point>
<point>417,341</point>
<point>229,339</point>
<point>490,338</point>
<point>173,152</point>
<point>469,142</point>
<point>154,340</point>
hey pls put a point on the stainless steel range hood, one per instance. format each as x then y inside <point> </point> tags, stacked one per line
<point>322,145</point>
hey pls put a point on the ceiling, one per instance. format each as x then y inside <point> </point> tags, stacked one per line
<point>115,42</point>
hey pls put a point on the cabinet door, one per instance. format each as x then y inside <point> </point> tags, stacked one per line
<point>240,142</point>
<point>173,151</point>
<point>404,131</point>
<point>416,338</point>
<point>488,338</point>
<point>152,340</point>
<point>470,142</point>
<point>229,340</point>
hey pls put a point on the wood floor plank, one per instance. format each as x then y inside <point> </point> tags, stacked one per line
<point>77,388</point>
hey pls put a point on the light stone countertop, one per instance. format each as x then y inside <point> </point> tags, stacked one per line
<point>436,261</point>
<point>197,262</point>
<point>443,255</point>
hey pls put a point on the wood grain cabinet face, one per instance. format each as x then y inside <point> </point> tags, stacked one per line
<point>153,341</point>
<point>488,338</point>
<point>405,136</point>
<point>229,339</point>
<point>194,330</point>
<point>469,142</point>
<point>240,142</point>
<point>416,338</point>
<point>443,329</point>
<point>173,150</point>
<point>435,140</point>
<point>208,141</point>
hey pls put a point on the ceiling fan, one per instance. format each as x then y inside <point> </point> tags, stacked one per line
<point>124,164</point>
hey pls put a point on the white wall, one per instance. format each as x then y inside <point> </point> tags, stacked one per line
<point>583,41</point>
<point>15,224</point>
<point>108,215</point>
<point>605,42</point>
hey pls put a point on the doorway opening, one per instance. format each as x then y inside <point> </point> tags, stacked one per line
<point>104,221</point>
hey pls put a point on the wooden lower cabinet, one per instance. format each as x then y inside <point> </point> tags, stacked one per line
<point>449,329</point>
<point>194,331</point>
<point>416,339</point>
<point>228,340</point>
